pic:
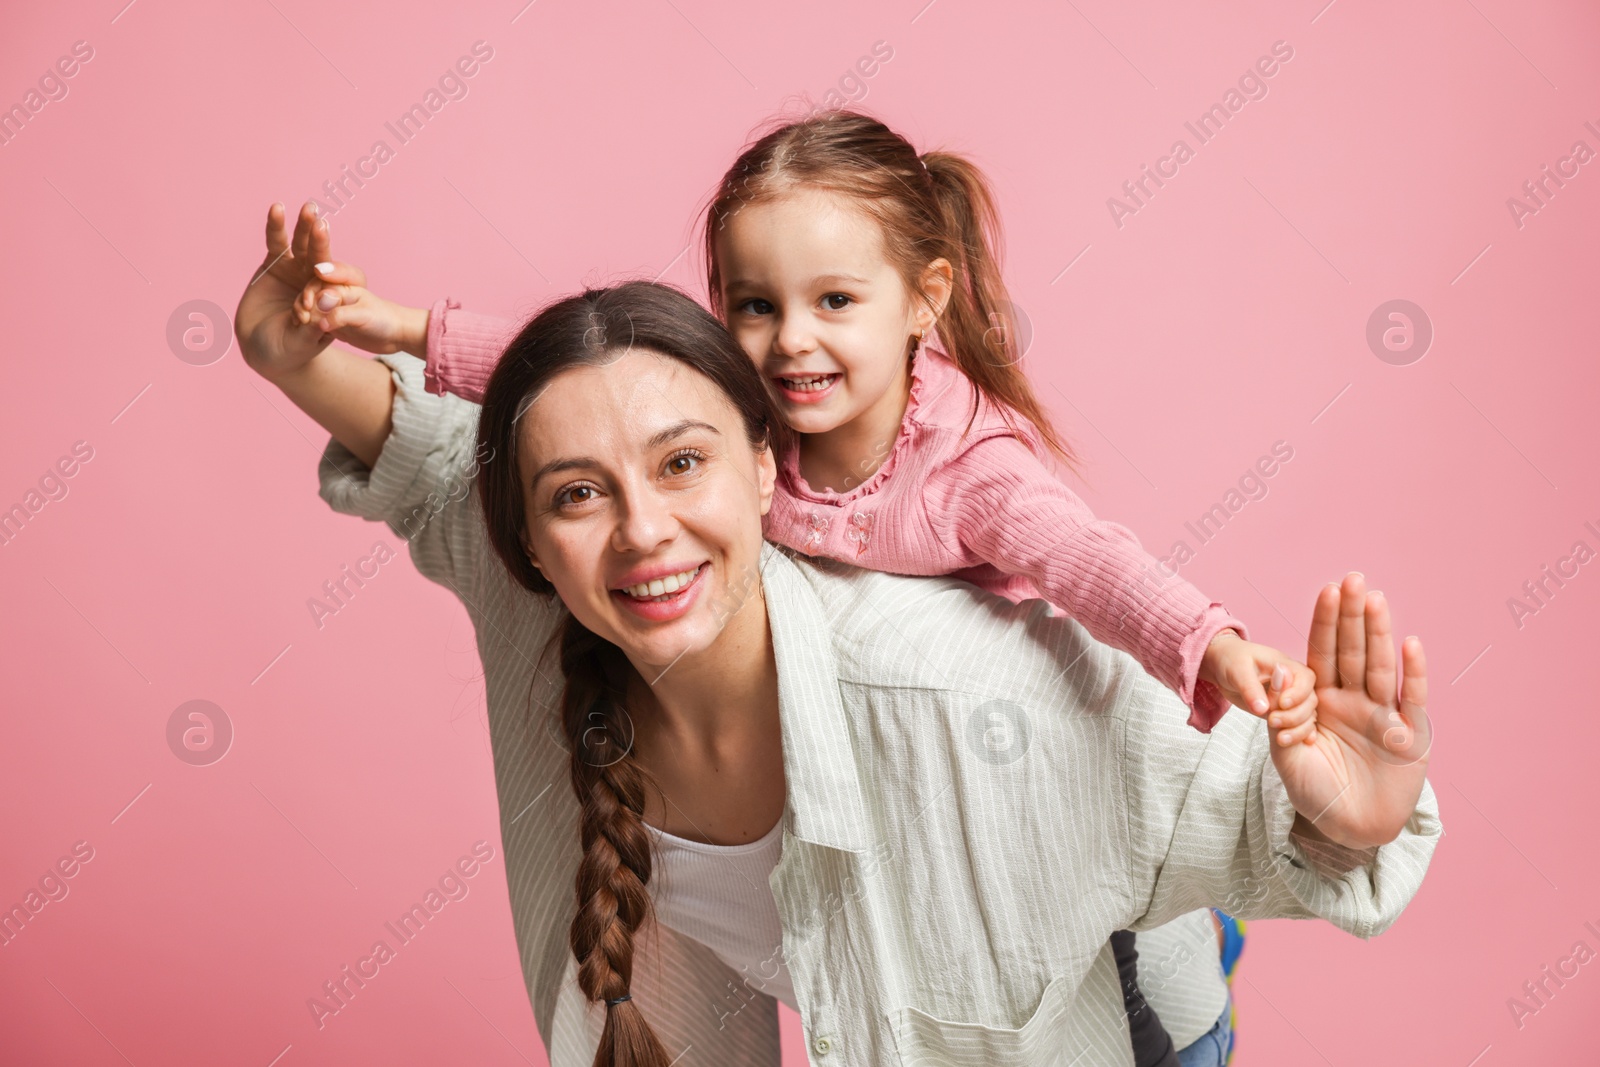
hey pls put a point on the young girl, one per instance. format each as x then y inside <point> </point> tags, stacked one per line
<point>863,280</point>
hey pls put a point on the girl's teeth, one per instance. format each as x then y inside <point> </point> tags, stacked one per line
<point>809,385</point>
<point>661,586</point>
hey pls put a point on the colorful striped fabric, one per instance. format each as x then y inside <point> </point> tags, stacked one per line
<point>1232,948</point>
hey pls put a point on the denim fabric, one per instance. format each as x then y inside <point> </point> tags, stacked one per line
<point>1211,1048</point>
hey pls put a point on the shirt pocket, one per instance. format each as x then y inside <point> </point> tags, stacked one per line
<point>1045,1039</point>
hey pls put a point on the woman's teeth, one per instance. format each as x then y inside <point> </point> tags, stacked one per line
<point>661,588</point>
<point>809,384</point>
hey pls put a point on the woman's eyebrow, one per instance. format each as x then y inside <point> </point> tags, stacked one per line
<point>677,430</point>
<point>659,438</point>
<point>556,466</point>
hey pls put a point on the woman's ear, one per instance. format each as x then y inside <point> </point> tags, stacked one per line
<point>527,546</point>
<point>766,477</point>
<point>937,282</point>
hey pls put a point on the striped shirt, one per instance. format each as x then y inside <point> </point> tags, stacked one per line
<point>978,795</point>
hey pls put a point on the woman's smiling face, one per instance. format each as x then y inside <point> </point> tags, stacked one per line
<point>643,500</point>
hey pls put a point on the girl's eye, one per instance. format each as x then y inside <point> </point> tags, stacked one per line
<point>756,306</point>
<point>836,301</point>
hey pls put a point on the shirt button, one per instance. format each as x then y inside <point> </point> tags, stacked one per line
<point>822,1046</point>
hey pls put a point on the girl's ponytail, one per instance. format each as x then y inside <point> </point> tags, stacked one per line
<point>615,869</point>
<point>978,326</point>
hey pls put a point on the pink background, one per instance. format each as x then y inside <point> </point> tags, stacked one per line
<point>1227,314</point>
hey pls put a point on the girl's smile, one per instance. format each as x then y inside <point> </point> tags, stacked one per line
<point>807,388</point>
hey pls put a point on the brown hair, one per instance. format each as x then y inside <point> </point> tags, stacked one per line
<point>928,206</point>
<point>593,329</point>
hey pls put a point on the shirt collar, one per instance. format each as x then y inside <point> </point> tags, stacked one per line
<point>824,792</point>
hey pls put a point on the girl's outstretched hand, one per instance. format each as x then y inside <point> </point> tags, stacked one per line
<point>1358,781</point>
<point>338,302</point>
<point>1244,671</point>
<point>272,338</point>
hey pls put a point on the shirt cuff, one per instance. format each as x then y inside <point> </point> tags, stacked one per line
<point>1206,702</point>
<point>383,492</point>
<point>1355,889</point>
<point>1327,859</point>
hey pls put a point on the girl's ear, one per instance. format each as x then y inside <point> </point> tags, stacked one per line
<point>938,282</point>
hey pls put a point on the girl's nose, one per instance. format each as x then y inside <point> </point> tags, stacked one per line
<point>795,337</point>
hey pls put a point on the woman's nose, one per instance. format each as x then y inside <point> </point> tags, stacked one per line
<point>645,520</point>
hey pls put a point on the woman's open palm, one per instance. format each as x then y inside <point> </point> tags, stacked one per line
<point>271,335</point>
<point>1359,780</point>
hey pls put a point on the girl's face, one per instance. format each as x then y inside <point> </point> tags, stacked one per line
<point>814,301</point>
<point>643,500</point>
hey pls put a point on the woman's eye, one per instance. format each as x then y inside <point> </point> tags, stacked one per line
<point>836,301</point>
<point>682,463</point>
<point>575,494</point>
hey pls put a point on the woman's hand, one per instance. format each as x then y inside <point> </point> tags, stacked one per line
<point>1358,780</point>
<point>1243,670</point>
<point>351,396</point>
<point>274,341</point>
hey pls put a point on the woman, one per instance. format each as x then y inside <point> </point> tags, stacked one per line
<point>969,795</point>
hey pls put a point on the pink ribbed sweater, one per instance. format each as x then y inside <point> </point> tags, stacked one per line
<point>973,502</point>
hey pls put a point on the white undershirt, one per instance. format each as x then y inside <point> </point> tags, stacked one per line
<point>720,896</point>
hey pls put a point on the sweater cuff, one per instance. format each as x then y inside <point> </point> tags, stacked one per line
<point>463,349</point>
<point>1206,703</point>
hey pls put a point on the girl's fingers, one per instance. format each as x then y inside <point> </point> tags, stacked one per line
<point>1251,693</point>
<point>349,313</point>
<point>1297,734</point>
<point>339,277</point>
<point>333,296</point>
<point>305,305</point>
<point>1253,696</point>
<point>1351,654</point>
<point>1324,635</point>
<point>1301,685</point>
<point>1305,711</point>
<point>333,272</point>
<point>334,320</point>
